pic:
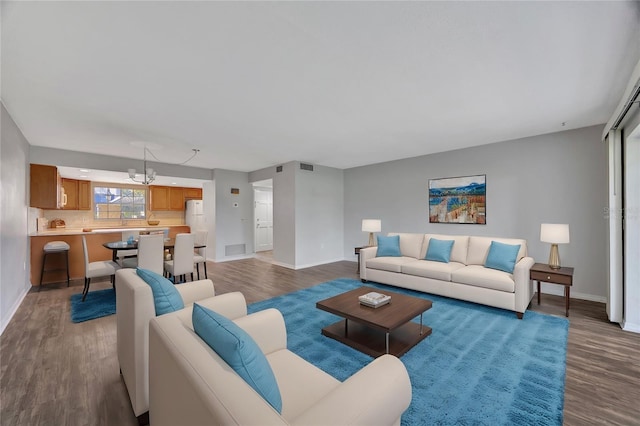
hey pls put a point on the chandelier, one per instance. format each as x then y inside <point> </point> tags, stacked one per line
<point>148,175</point>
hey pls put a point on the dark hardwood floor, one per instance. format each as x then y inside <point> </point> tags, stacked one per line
<point>54,372</point>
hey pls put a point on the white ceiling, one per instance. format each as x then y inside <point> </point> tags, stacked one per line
<point>340,84</point>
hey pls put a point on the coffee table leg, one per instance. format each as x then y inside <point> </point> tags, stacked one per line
<point>387,338</point>
<point>421,324</point>
<point>346,327</point>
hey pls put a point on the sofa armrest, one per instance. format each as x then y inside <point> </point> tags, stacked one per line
<point>378,394</point>
<point>195,290</point>
<point>365,254</point>
<point>523,286</point>
<point>231,305</point>
<point>267,328</point>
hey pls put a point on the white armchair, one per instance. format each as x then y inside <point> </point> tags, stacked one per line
<point>191,385</point>
<point>135,308</point>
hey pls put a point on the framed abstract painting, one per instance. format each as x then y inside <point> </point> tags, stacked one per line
<point>458,200</point>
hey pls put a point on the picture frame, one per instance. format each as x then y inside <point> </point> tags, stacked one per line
<point>460,200</point>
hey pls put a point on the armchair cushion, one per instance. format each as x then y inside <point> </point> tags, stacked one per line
<point>239,350</point>
<point>165,296</point>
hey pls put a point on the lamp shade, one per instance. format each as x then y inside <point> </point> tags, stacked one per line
<point>554,233</point>
<point>371,225</point>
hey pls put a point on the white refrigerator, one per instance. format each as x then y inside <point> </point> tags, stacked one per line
<point>194,216</point>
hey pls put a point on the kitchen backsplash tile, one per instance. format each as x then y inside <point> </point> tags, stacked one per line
<point>84,219</point>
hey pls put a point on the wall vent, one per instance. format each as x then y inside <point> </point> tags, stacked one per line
<point>278,169</point>
<point>308,167</point>
<point>234,249</point>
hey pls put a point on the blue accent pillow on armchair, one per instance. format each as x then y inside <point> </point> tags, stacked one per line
<point>439,250</point>
<point>239,350</point>
<point>388,246</point>
<point>502,256</point>
<point>165,296</point>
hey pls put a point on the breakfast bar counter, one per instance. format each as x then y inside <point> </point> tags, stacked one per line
<point>95,238</point>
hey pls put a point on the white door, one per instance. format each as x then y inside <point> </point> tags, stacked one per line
<point>263,202</point>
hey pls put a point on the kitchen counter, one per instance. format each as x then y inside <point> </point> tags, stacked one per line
<point>84,231</point>
<point>95,238</point>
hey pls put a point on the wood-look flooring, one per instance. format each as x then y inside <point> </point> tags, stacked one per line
<point>54,372</point>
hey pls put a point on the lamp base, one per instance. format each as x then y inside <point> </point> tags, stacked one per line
<point>554,257</point>
<point>371,240</point>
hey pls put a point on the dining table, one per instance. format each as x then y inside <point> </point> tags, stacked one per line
<point>115,246</point>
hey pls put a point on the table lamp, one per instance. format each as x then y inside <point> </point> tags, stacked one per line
<point>371,226</point>
<point>554,233</point>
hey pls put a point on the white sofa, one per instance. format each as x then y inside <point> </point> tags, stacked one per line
<point>464,277</point>
<point>135,308</point>
<point>191,385</point>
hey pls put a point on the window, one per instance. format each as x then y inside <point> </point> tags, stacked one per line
<point>119,203</point>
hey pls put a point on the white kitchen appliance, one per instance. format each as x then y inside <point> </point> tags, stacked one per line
<point>194,216</point>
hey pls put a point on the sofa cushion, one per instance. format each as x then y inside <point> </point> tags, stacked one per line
<point>165,296</point>
<point>479,248</point>
<point>388,246</point>
<point>410,244</point>
<point>431,269</point>
<point>480,276</point>
<point>458,251</point>
<point>239,350</point>
<point>502,256</point>
<point>391,264</point>
<point>439,250</point>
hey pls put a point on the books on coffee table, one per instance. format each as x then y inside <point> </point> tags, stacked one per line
<point>374,300</point>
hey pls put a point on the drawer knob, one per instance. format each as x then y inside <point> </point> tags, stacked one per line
<point>548,277</point>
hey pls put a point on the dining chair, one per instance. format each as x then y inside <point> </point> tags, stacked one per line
<point>182,262</point>
<point>100,268</point>
<point>122,255</point>
<point>150,254</point>
<point>200,254</point>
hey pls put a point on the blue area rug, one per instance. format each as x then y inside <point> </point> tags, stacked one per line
<point>480,366</point>
<point>99,303</point>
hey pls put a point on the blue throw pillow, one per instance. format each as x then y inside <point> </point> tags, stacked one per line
<point>388,246</point>
<point>439,250</point>
<point>502,256</point>
<point>239,350</point>
<point>165,296</point>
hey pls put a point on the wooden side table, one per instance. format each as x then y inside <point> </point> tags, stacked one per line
<point>357,253</point>
<point>563,276</point>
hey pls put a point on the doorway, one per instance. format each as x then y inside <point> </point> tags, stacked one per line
<point>263,215</point>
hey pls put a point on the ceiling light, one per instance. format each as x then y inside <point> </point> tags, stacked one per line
<point>84,171</point>
<point>148,174</point>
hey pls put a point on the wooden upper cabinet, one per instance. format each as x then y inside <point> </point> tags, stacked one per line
<point>45,184</point>
<point>159,197</point>
<point>84,195</point>
<point>71,191</point>
<point>176,198</point>
<point>193,194</point>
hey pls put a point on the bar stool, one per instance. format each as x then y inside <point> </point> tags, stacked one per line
<point>53,247</point>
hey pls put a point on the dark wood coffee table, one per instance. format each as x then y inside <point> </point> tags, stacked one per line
<point>376,331</point>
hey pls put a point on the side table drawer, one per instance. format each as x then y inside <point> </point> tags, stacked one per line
<point>550,277</point>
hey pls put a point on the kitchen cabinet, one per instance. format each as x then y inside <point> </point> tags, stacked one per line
<point>84,195</point>
<point>192,194</point>
<point>45,187</point>
<point>78,194</point>
<point>71,191</point>
<point>176,198</point>
<point>159,197</point>
<point>172,198</point>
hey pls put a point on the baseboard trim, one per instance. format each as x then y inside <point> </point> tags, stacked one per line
<point>13,310</point>
<point>232,258</point>
<point>628,326</point>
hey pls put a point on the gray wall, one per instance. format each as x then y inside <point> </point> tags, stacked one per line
<point>319,216</point>
<point>233,213</point>
<point>554,178</point>
<point>14,242</point>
